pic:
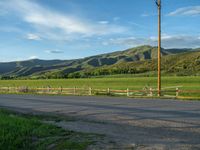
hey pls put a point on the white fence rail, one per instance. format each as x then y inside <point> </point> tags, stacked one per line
<point>150,92</point>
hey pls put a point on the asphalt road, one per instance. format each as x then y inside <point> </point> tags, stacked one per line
<point>159,124</point>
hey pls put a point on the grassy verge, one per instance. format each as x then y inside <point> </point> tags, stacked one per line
<point>26,132</point>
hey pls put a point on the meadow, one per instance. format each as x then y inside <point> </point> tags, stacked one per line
<point>188,83</point>
<point>184,83</point>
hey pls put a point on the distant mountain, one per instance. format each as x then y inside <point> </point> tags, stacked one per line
<point>182,63</point>
<point>138,56</point>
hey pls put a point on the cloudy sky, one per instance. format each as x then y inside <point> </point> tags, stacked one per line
<point>68,29</point>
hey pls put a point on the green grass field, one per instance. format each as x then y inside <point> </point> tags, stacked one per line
<point>27,132</point>
<point>133,83</point>
<point>114,83</point>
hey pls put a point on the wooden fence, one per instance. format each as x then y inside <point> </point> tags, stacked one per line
<point>147,92</point>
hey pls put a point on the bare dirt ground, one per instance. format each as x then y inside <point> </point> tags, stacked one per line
<point>126,123</point>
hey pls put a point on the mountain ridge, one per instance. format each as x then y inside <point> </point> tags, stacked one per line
<point>37,67</point>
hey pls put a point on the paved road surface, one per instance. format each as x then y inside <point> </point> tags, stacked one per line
<point>159,124</point>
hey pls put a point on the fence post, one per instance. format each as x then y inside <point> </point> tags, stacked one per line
<point>74,90</point>
<point>61,89</point>
<point>150,92</point>
<point>42,89</point>
<point>127,92</point>
<point>48,89</point>
<point>90,91</point>
<point>177,92</point>
<point>108,91</point>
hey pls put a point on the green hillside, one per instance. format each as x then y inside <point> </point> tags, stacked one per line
<point>183,64</point>
<point>131,61</point>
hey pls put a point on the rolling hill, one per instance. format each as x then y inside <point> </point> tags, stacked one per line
<point>135,60</point>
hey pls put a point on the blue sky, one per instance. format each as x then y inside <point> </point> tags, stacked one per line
<point>69,29</point>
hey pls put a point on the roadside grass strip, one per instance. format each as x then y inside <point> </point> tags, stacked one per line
<point>27,132</point>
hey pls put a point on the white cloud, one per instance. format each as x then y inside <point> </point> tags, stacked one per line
<point>103,22</point>
<point>54,51</point>
<point>186,11</point>
<point>138,25</point>
<point>145,15</point>
<point>181,41</point>
<point>31,36</point>
<point>168,41</point>
<point>55,25</point>
<point>148,14</point>
<point>33,57</point>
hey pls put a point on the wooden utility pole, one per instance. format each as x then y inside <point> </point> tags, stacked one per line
<point>158,3</point>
